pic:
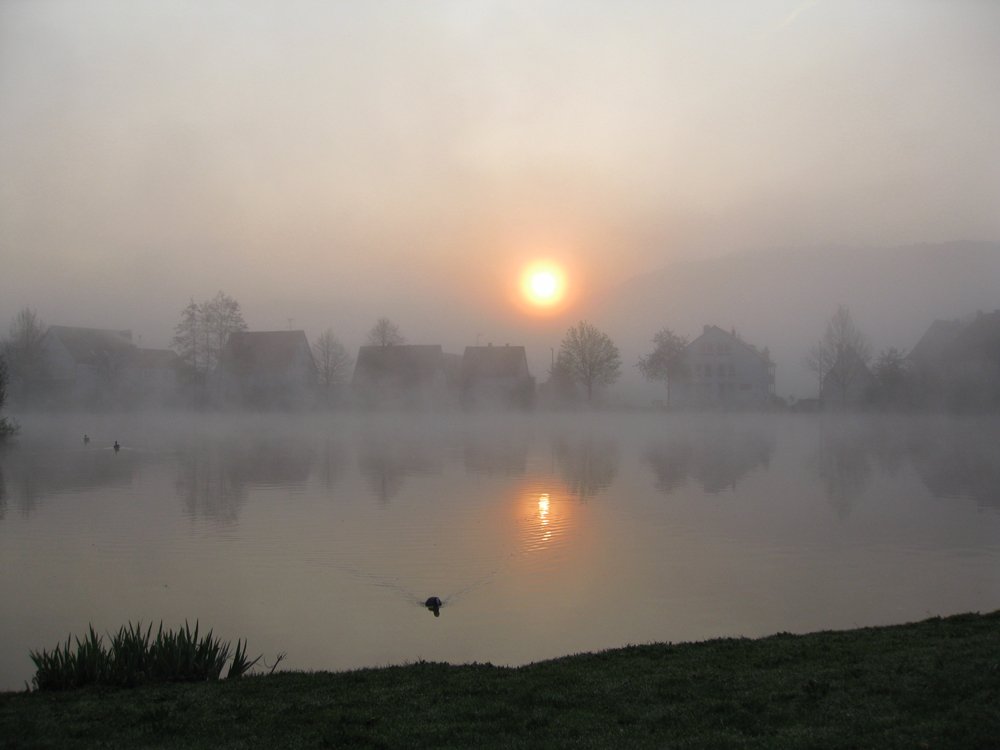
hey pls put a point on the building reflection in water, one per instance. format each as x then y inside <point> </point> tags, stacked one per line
<point>961,462</point>
<point>504,455</point>
<point>385,464</point>
<point>214,476</point>
<point>35,473</point>
<point>587,464</point>
<point>717,462</point>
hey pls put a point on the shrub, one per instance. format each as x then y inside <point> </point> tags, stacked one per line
<point>135,658</point>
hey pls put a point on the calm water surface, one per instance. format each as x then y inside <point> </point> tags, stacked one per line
<point>320,537</point>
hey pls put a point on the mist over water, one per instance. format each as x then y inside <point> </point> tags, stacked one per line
<point>543,535</point>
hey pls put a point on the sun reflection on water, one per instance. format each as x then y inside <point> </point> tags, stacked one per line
<point>543,514</point>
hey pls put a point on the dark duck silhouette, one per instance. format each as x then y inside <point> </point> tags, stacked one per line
<point>117,447</point>
<point>86,439</point>
<point>434,605</point>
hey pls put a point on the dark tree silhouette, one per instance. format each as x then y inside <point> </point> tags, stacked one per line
<point>202,333</point>
<point>666,361</point>
<point>26,357</point>
<point>8,427</point>
<point>841,356</point>
<point>590,357</point>
<point>384,333</point>
<point>332,360</point>
<point>890,376</point>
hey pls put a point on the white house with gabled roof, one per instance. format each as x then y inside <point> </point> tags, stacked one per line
<point>724,370</point>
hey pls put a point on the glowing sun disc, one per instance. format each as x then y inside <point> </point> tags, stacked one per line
<point>543,285</point>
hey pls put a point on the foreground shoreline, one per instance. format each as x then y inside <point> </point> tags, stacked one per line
<point>931,684</point>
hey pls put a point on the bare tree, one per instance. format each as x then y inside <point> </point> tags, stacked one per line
<point>8,427</point>
<point>188,338</point>
<point>23,350</point>
<point>222,317</point>
<point>202,333</point>
<point>841,357</point>
<point>384,333</point>
<point>666,361</point>
<point>590,357</point>
<point>332,360</point>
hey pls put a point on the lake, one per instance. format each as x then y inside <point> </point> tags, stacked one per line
<point>544,535</point>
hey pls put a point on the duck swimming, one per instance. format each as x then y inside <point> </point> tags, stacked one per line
<point>434,605</point>
<point>86,439</point>
<point>117,447</point>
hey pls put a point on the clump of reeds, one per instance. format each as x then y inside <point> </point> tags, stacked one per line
<point>135,657</point>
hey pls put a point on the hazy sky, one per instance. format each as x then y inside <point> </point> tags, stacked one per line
<point>332,162</point>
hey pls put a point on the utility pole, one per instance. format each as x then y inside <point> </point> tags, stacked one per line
<point>290,323</point>
<point>477,338</point>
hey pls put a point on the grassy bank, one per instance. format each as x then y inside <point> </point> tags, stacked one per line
<point>933,684</point>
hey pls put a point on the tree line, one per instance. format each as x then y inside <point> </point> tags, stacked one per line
<point>842,359</point>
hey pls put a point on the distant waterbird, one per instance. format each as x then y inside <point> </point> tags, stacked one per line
<point>86,439</point>
<point>117,447</point>
<point>434,605</point>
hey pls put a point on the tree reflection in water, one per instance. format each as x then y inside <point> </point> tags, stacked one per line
<point>332,464</point>
<point>671,462</point>
<point>717,462</point>
<point>386,463</point>
<point>841,464</point>
<point>953,459</point>
<point>214,475</point>
<point>588,465</point>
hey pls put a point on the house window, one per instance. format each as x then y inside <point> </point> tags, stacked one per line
<point>709,348</point>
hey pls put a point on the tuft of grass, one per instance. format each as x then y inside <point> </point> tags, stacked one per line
<point>135,658</point>
<point>241,665</point>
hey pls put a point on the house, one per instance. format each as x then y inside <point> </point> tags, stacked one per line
<point>966,372</point>
<point>159,375</point>
<point>956,363</point>
<point>404,376</point>
<point>496,376</point>
<point>266,368</point>
<point>724,370</point>
<point>934,341</point>
<point>86,364</point>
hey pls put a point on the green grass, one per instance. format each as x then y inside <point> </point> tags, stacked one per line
<point>934,684</point>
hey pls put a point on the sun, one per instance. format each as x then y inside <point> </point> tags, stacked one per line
<point>543,284</point>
